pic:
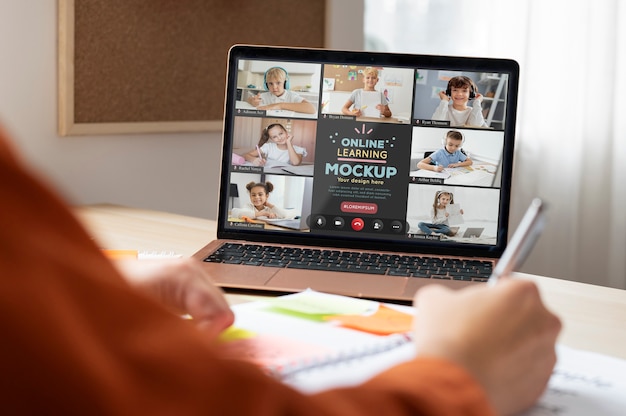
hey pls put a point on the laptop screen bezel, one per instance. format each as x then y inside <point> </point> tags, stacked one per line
<point>322,56</point>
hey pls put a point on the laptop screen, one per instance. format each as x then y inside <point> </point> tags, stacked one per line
<point>368,150</point>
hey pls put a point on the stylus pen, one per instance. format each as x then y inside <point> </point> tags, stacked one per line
<point>522,241</point>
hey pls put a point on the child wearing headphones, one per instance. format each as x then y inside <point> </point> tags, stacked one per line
<point>278,96</point>
<point>276,145</point>
<point>453,105</point>
<point>450,156</point>
<point>439,215</point>
<point>354,105</point>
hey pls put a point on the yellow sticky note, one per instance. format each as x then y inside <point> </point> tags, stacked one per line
<point>234,333</point>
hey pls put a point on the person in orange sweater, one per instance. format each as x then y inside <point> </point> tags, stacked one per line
<point>81,334</point>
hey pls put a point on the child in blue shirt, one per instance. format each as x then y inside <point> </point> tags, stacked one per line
<point>450,156</point>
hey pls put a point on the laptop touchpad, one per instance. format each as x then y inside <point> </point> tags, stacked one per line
<point>349,284</point>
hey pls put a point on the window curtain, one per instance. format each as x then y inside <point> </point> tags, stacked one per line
<point>571,122</point>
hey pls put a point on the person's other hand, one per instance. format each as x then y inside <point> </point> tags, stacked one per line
<point>255,100</point>
<point>443,96</point>
<point>184,286</point>
<point>503,335</point>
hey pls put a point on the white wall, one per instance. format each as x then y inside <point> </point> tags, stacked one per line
<point>170,172</point>
<point>344,24</point>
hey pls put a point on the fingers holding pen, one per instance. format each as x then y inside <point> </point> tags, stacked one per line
<point>512,357</point>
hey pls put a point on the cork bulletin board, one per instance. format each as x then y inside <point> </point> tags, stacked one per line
<point>145,66</point>
<point>346,78</point>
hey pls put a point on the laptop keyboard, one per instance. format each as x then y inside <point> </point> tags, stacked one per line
<point>351,261</point>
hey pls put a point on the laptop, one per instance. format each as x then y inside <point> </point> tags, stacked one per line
<point>364,213</point>
<point>473,232</point>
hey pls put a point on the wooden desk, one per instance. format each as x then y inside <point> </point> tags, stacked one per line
<point>594,317</point>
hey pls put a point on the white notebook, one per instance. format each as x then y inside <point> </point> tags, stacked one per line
<point>286,337</point>
<point>290,340</point>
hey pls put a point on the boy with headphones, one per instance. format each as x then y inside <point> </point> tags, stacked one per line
<point>453,105</point>
<point>277,95</point>
<point>450,156</point>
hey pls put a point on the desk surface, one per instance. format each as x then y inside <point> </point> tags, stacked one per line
<point>594,317</point>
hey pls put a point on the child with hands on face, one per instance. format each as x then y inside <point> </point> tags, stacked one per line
<point>276,145</point>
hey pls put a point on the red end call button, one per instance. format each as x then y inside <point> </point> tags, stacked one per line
<point>358,224</point>
<point>359,207</point>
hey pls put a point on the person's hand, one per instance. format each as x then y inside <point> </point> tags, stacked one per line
<point>259,161</point>
<point>503,335</point>
<point>443,96</point>
<point>264,213</point>
<point>438,168</point>
<point>478,97</point>
<point>182,285</point>
<point>255,100</point>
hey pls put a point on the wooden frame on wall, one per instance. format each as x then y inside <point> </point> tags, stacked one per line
<point>157,66</point>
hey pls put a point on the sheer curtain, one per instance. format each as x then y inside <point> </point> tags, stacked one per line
<point>570,141</point>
